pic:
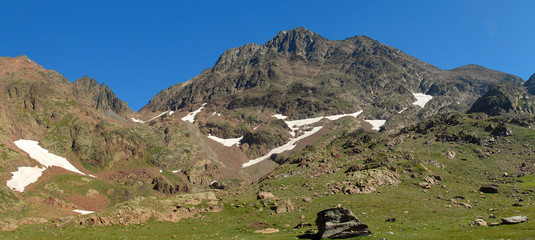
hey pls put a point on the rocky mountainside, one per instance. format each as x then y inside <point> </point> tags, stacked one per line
<point>267,138</point>
<point>100,97</point>
<point>300,74</point>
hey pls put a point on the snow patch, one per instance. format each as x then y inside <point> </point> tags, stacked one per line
<point>136,120</point>
<point>229,142</point>
<point>216,113</point>
<point>376,124</point>
<point>141,121</point>
<point>83,212</point>
<point>45,158</point>
<point>336,117</point>
<point>279,116</point>
<point>176,171</point>
<point>403,110</point>
<point>286,147</point>
<point>24,176</point>
<point>421,99</point>
<point>191,116</point>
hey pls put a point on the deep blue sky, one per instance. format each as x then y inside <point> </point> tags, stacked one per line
<point>141,47</point>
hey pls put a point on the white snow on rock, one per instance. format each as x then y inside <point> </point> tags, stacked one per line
<point>403,110</point>
<point>421,99</point>
<point>296,124</point>
<point>83,212</point>
<point>288,146</point>
<point>136,120</point>
<point>23,177</point>
<point>376,124</point>
<point>280,116</point>
<point>216,113</point>
<point>336,117</point>
<point>191,116</point>
<point>229,142</point>
<point>141,121</point>
<point>45,158</point>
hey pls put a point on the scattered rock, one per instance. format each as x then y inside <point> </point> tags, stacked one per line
<point>517,204</point>
<point>265,195</point>
<point>390,233</point>
<point>391,219</point>
<point>339,222</point>
<point>514,219</point>
<point>450,154</point>
<point>489,188</point>
<point>479,222</point>
<point>284,207</point>
<point>267,231</point>
<point>494,224</point>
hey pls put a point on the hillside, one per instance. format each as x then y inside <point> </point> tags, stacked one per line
<point>264,140</point>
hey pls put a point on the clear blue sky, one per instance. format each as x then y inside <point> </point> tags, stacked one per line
<point>141,47</point>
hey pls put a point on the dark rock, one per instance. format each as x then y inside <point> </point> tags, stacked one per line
<point>391,219</point>
<point>162,185</point>
<point>489,188</point>
<point>218,185</point>
<point>515,219</point>
<point>339,223</point>
<point>302,225</point>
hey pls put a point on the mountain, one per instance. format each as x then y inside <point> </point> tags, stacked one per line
<point>264,140</point>
<point>300,74</point>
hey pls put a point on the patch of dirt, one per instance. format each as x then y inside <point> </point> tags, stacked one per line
<point>93,202</point>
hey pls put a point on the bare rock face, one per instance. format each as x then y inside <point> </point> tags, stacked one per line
<point>339,223</point>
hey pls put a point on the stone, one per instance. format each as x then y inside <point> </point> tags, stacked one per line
<point>267,231</point>
<point>285,207</point>
<point>479,222</point>
<point>515,219</point>
<point>489,188</point>
<point>266,196</point>
<point>339,222</point>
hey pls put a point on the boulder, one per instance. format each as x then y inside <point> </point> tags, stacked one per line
<point>515,219</point>
<point>479,222</point>
<point>339,222</point>
<point>265,195</point>
<point>489,188</point>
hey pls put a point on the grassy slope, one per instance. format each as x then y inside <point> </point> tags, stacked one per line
<point>420,214</point>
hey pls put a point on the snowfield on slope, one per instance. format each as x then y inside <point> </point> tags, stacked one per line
<point>141,121</point>
<point>228,142</point>
<point>45,158</point>
<point>288,146</point>
<point>83,212</point>
<point>25,176</point>
<point>191,116</point>
<point>376,124</point>
<point>421,99</point>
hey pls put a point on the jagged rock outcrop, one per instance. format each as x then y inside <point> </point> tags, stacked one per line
<point>504,98</point>
<point>100,96</point>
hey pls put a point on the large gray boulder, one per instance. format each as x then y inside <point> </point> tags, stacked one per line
<point>515,219</point>
<point>339,222</point>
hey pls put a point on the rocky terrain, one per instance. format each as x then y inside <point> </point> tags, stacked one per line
<point>299,137</point>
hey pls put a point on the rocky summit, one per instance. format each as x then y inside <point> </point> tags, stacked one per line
<point>271,139</point>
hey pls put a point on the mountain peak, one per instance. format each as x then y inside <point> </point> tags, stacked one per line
<point>297,40</point>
